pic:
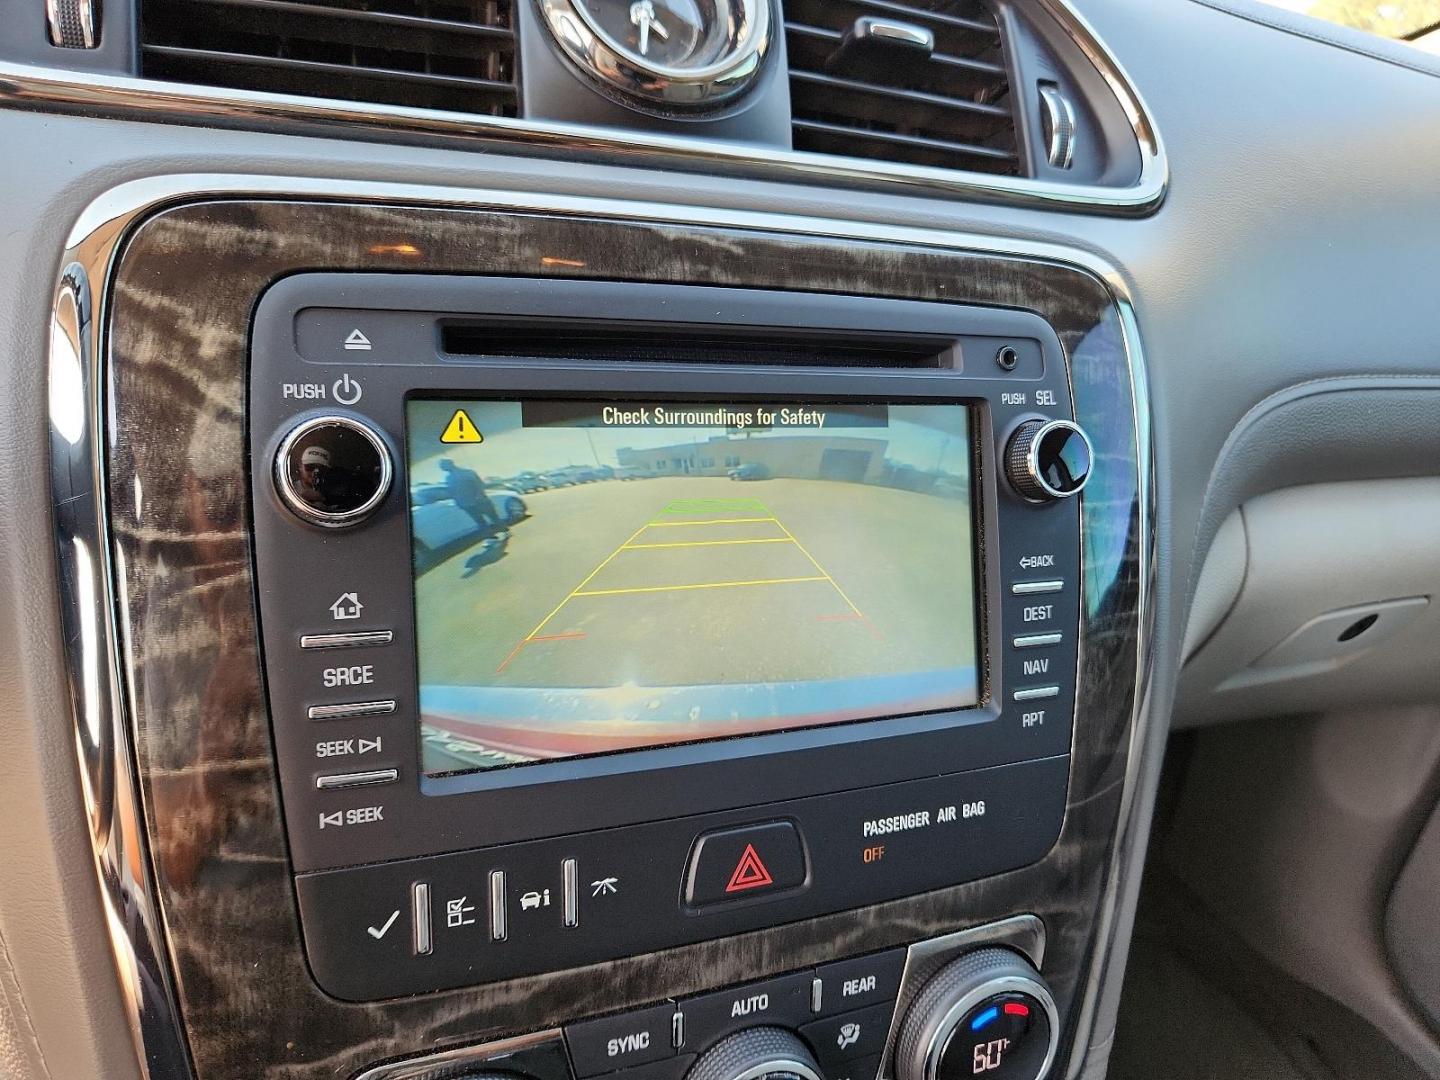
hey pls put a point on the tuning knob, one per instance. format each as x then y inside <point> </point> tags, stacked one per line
<point>988,1014</point>
<point>754,1054</point>
<point>1048,459</point>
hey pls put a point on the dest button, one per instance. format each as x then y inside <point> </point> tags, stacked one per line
<point>737,864</point>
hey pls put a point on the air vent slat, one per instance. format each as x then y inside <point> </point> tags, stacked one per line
<point>388,20</point>
<point>457,55</point>
<point>946,107</point>
<point>315,67</point>
<point>892,94</point>
<point>917,143</point>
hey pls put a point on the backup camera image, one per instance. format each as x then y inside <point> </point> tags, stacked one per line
<point>601,576</point>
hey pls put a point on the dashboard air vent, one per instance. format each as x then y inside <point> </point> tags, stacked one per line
<point>435,54</point>
<point>922,82</point>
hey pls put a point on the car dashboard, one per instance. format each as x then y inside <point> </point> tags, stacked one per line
<point>671,541</point>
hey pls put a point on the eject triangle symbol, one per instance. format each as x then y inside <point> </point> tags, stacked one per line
<point>750,873</point>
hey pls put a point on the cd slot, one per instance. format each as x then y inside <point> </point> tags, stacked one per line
<point>672,343</point>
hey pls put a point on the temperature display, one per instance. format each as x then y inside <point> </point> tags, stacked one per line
<point>1005,1037</point>
<point>990,1055</point>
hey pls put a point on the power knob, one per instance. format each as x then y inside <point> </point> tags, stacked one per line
<point>1048,459</point>
<point>987,1014</point>
<point>755,1054</point>
<point>333,471</point>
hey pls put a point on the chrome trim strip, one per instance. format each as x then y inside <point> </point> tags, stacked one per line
<point>113,802</point>
<point>353,640</point>
<point>423,939</point>
<point>32,87</point>
<point>78,351</point>
<point>345,781</point>
<point>1036,641</point>
<point>570,877</point>
<point>349,710</point>
<point>1037,588</point>
<point>498,909</point>
<point>1036,693</point>
<point>1132,827</point>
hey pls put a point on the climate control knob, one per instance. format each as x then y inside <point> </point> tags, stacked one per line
<point>333,471</point>
<point>987,1014</point>
<point>754,1054</point>
<point>1048,459</point>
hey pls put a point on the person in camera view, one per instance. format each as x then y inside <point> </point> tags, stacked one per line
<point>468,491</point>
<point>314,465</point>
<point>325,485</point>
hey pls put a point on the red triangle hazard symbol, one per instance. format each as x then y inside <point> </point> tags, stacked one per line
<point>750,873</point>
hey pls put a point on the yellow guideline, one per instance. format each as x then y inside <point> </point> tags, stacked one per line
<point>461,429</point>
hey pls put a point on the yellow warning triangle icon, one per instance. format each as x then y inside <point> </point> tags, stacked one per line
<point>461,429</point>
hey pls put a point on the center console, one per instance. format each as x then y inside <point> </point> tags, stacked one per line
<point>589,641</point>
<point>783,629</point>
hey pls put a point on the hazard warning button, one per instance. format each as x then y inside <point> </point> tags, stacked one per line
<point>738,864</point>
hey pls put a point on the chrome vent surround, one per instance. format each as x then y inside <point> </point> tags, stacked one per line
<point>457,55</point>
<point>922,82</point>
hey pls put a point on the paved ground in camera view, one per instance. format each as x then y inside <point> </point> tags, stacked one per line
<point>696,580</point>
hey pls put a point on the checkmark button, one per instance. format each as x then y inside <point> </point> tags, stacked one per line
<point>379,932</point>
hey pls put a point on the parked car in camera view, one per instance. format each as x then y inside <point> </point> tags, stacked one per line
<point>441,528</point>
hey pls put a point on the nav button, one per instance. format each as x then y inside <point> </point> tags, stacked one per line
<point>737,864</point>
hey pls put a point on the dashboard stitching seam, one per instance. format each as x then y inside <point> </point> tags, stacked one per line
<point>1270,402</point>
<point>1332,40</point>
<point>20,1008</point>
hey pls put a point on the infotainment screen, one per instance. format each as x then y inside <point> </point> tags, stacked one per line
<point>594,577</point>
